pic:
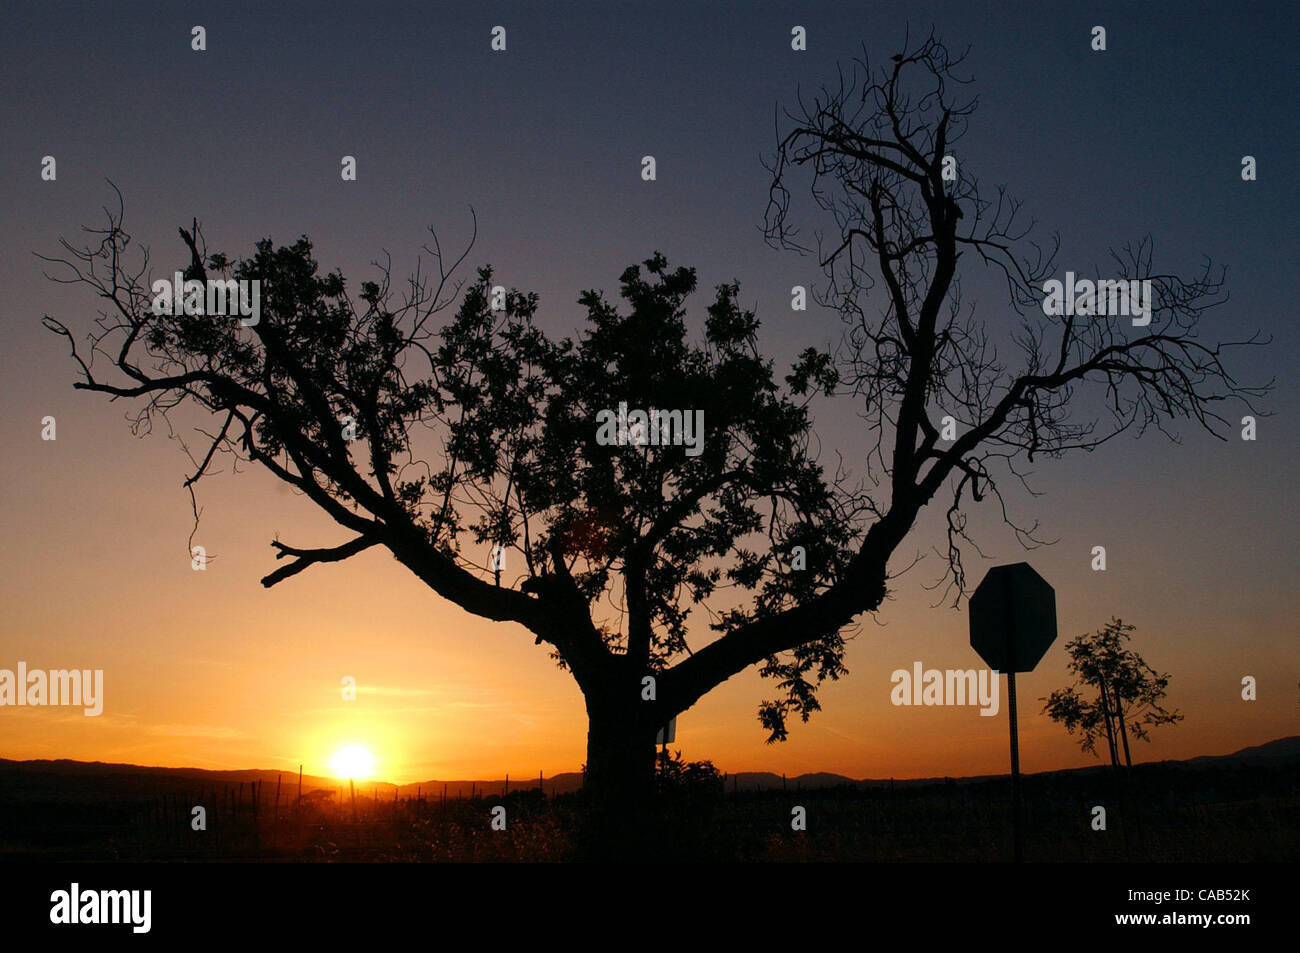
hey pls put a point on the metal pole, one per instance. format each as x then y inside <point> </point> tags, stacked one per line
<point>1013,660</point>
<point>1015,766</point>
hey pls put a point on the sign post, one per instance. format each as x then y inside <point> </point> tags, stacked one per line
<point>667,734</point>
<point>1012,624</point>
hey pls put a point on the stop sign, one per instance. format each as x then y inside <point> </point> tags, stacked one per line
<point>1012,618</point>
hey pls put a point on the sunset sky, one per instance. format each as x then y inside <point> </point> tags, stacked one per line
<point>211,670</point>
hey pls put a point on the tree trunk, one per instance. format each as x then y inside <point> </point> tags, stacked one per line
<point>1123,731</point>
<point>1107,716</point>
<point>619,783</point>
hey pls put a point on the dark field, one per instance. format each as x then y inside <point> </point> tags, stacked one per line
<point>1220,811</point>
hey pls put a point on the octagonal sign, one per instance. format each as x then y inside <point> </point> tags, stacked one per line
<point>1012,618</point>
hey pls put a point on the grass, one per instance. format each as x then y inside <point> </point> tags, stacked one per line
<point>1157,813</point>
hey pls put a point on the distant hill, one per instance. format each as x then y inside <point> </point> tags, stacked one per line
<point>1280,751</point>
<point>111,780</point>
<point>115,778</point>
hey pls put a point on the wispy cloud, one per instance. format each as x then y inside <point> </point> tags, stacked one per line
<point>394,691</point>
<point>196,731</point>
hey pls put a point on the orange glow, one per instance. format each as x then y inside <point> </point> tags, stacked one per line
<point>353,762</point>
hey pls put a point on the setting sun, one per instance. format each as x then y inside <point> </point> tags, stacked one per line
<point>353,761</point>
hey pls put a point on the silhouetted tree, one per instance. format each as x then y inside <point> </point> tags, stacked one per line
<point>878,151</point>
<point>1129,693</point>
<point>481,432</point>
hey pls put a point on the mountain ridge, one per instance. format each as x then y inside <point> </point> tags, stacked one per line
<point>1280,750</point>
